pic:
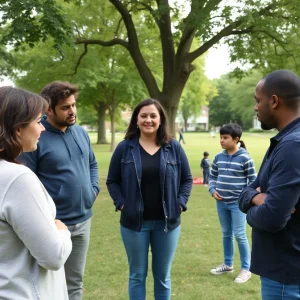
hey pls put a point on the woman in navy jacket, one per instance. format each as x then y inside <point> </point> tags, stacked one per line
<point>149,180</point>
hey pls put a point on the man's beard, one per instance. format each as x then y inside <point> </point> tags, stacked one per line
<point>264,126</point>
<point>65,123</point>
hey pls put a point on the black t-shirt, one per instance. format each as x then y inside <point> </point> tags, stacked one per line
<point>150,185</point>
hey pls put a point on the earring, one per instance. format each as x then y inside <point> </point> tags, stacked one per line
<point>137,126</point>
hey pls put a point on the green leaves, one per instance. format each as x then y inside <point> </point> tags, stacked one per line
<point>31,21</point>
<point>235,100</point>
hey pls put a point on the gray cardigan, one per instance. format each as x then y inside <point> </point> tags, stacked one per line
<point>32,250</point>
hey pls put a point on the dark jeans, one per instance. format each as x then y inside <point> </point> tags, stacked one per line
<point>205,175</point>
<point>181,138</point>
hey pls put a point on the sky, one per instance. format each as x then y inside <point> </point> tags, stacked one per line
<point>217,62</point>
<point>6,81</point>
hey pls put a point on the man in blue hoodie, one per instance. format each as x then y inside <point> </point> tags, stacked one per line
<point>65,163</point>
<point>272,200</point>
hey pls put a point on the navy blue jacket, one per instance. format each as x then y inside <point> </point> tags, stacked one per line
<point>275,230</point>
<point>124,183</point>
<point>66,165</point>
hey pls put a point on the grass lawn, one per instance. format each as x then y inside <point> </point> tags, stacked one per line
<point>200,244</point>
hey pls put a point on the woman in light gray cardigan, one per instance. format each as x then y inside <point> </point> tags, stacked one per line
<point>34,246</point>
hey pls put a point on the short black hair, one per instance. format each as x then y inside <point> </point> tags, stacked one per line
<point>285,85</point>
<point>232,129</point>
<point>205,153</point>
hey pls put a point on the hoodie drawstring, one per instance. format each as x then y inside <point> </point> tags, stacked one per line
<point>77,143</point>
<point>69,151</point>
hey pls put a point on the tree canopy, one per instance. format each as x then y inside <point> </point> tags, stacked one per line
<point>256,32</point>
<point>30,21</point>
<point>235,100</point>
<point>158,34</point>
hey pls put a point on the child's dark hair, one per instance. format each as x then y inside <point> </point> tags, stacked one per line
<point>234,130</point>
<point>205,153</point>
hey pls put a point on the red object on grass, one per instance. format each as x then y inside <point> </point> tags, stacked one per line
<point>197,180</point>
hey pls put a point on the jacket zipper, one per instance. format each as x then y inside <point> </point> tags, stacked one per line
<point>163,196</point>
<point>139,183</point>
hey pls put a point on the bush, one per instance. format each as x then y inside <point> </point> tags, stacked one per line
<point>254,130</point>
<point>199,128</point>
<point>121,127</point>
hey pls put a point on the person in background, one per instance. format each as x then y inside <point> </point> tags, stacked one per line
<point>181,138</point>
<point>150,181</point>
<point>212,133</point>
<point>271,202</point>
<point>34,246</point>
<point>205,166</point>
<point>65,163</point>
<point>231,171</point>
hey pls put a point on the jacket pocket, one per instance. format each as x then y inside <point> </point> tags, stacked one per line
<point>128,168</point>
<point>73,200</point>
<point>129,214</point>
<point>172,168</point>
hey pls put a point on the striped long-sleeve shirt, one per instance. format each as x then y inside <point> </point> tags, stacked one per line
<point>230,174</point>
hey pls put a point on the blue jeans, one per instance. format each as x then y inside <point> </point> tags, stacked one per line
<point>273,290</point>
<point>233,223</point>
<point>163,246</point>
<point>205,175</point>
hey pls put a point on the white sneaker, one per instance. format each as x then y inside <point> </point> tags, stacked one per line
<point>243,276</point>
<point>221,269</point>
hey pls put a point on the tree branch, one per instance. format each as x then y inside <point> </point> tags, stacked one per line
<point>110,43</point>
<point>167,40</point>
<point>135,52</point>
<point>79,60</point>
<point>118,27</point>
<point>226,31</point>
<point>210,6</point>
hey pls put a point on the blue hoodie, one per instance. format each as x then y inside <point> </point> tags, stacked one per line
<point>230,174</point>
<point>66,165</point>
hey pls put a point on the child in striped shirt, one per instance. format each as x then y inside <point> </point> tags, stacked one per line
<point>231,171</point>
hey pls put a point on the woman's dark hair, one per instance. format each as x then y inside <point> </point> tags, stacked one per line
<point>234,130</point>
<point>163,136</point>
<point>17,109</point>
<point>58,90</point>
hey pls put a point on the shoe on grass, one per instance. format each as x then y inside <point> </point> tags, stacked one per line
<point>221,269</point>
<point>243,276</point>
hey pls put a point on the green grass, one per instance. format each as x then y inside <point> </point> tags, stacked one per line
<point>200,244</point>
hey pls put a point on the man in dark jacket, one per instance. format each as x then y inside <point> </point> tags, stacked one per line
<point>65,163</point>
<point>271,202</point>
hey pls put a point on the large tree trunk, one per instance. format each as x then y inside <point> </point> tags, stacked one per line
<point>172,93</point>
<point>112,113</point>
<point>185,125</point>
<point>101,137</point>
<point>171,112</point>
